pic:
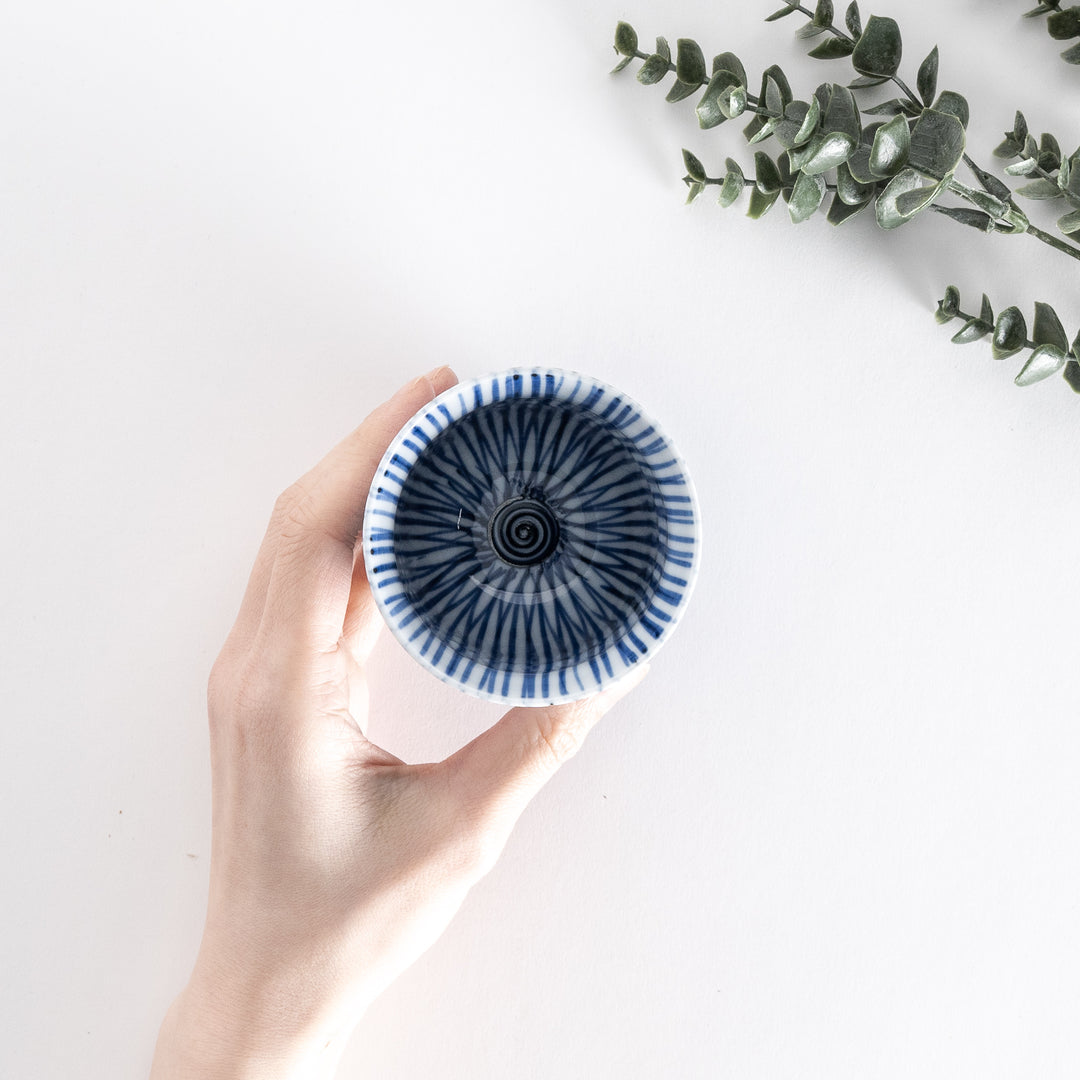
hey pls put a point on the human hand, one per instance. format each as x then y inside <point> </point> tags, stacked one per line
<point>334,864</point>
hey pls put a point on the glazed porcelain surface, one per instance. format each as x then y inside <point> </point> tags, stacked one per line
<point>531,535</point>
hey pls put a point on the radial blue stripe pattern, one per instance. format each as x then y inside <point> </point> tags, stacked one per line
<point>532,535</point>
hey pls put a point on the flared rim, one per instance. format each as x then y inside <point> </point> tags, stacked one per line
<point>676,500</point>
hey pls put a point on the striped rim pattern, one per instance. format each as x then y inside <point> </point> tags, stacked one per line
<point>530,536</point>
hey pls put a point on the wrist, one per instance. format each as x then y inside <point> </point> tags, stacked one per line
<point>242,1028</point>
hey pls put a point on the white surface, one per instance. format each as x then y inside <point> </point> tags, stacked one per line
<point>834,835</point>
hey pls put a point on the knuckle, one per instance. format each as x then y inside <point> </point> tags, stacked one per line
<point>297,513</point>
<point>558,736</point>
<point>238,691</point>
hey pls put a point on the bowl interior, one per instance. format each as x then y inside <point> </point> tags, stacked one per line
<point>529,534</point>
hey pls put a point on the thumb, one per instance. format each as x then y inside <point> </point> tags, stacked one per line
<point>501,770</point>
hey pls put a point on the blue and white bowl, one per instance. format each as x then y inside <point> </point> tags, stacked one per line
<point>531,536</point>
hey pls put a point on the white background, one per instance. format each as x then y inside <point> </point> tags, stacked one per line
<point>835,833</point>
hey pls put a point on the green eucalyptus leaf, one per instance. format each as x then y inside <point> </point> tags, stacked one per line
<point>949,101</point>
<point>937,144</point>
<point>971,331</point>
<point>892,107</point>
<point>948,305</point>
<point>791,8</point>
<point>761,203</point>
<point>850,190</point>
<point>864,82</point>
<point>1071,56</point>
<point>774,98</point>
<point>1047,329</point>
<point>711,110</point>
<point>986,311</point>
<point>879,48</point>
<point>1064,174</point>
<point>690,62</point>
<point>1040,189</point>
<point>840,211</point>
<point>842,114</point>
<point>695,190</point>
<point>733,103</point>
<point>866,138</point>
<point>809,31</point>
<point>766,175</point>
<point>1009,148</point>
<point>1070,223</point>
<point>621,64</point>
<point>1072,368</point>
<point>626,41</point>
<point>859,166</point>
<point>1073,182</point>
<point>798,156</point>
<point>892,143</point>
<point>680,90</point>
<point>828,151</point>
<point>653,70</point>
<point>927,79</point>
<point>763,133</point>
<point>776,74</point>
<point>809,123</point>
<point>1020,128</point>
<point>977,219</point>
<point>754,128</point>
<point>728,61</point>
<point>891,214</point>
<point>909,203</point>
<point>694,169</point>
<point>1010,333</point>
<point>1049,152</point>
<point>823,13</point>
<point>733,184</point>
<point>787,128</point>
<point>852,20</point>
<point>1045,361</point>
<point>1024,167</point>
<point>663,49</point>
<point>990,203</point>
<point>806,197</point>
<point>834,48</point>
<point>787,179</point>
<point>1063,25</point>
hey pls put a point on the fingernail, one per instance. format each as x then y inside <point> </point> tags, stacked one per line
<point>430,382</point>
<point>437,379</point>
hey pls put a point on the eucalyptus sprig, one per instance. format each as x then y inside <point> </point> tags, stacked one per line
<point>1053,176</point>
<point>903,164</point>
<point>1062,24</point>
<point>1048,344</point>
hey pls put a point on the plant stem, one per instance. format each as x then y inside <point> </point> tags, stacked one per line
<point>1054,242</point>
<point>1047,238</point>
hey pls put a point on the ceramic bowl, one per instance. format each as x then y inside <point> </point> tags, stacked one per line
<point>532,535</point>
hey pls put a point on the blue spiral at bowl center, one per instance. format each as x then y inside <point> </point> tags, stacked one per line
<point>524,531</point>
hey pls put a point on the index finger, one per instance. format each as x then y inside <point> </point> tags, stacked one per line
<point>308,567</point>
